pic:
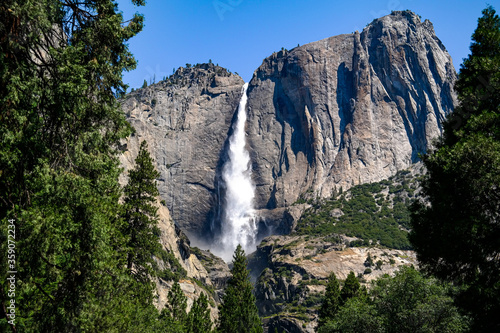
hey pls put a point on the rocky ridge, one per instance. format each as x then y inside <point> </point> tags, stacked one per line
<point>322,118</point>
<point>183,262</point>
<point>363,230</point>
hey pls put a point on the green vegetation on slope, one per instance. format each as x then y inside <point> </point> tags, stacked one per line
<point>374,213</point>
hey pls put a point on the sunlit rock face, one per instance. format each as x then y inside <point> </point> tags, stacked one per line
<point>346,110</point>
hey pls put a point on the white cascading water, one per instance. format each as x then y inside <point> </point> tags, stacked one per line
<point>238,225</point>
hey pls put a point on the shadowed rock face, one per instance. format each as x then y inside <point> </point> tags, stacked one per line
<point>342,111</point>
<point>347,110</point>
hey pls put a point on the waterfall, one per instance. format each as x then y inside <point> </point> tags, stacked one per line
<point>238,216</point>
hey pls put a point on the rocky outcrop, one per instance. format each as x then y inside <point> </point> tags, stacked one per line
<point>186,120</point>
<point>293,271</point>
<point>322,117</point>
<point>347,110</point>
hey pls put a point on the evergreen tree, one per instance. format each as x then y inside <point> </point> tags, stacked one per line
<point>198,320</point>
<point>456,232</point>
<point>60,124</point>
<point>141,218</point>
<point>177,304</point>
<point>173,317</point>
<point>351,287</point>
<point>238,312</point>
<point>331,303</point>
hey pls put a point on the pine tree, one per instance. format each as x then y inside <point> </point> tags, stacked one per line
<point>351,287</point>
<point>331,303</point>
<point>198,320</point>
<point>60,124</point>
<point>177,303</point>
<point>141,216</point>
<point>238,312</point>
<point>456,232</point>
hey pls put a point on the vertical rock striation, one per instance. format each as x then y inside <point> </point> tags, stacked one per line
<point>347,110</point>
<point>186,120</point>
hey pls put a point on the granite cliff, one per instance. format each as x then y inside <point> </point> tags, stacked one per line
<point>331,114</point>
<point>186,120</point>
<point>347,110</point>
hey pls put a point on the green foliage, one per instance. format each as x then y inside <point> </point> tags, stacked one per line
<point>332,300</point>
<point>144,84</point>
<point>140,215</point>
<point>366,212</point>
<point>350,289</point>
<point>177,304</point>
<point>369,261</point>
<point>456,233</point>
<point>175,319</point>
<point>174,271</point>
<point>198,320</point>
<point>407,302</point>
<point>355,316</point>
<point>60,125</point>
<point>238,312</point>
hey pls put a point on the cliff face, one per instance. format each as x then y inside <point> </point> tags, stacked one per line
<point>347,110</point>
<point>342,111</point>
<point>186,120</point>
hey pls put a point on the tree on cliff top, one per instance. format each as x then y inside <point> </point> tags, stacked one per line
<point>457,235</point>
<point>238,312</point>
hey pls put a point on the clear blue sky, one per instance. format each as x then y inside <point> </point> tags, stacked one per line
<point>239,34</point>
